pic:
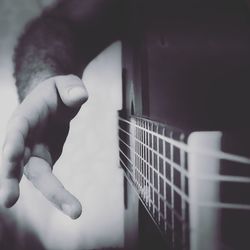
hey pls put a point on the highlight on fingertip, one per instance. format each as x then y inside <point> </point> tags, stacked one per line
<point>78,93</point>
<point>71,90</point>
<point>73,211</point>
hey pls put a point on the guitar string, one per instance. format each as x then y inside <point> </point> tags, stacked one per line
<point>194,150</point>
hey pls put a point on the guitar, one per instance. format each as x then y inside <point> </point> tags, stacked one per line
<point>184,128</point>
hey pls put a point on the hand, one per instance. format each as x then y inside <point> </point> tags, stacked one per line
<point>34,141</point>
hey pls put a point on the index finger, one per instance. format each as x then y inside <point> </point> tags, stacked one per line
<point>12,160</point>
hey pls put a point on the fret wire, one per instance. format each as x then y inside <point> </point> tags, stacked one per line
<point>143,151</point>
<point>134,153</point>
<point>183,204</point>
<point>139,145</point>
<point>140,139</point>
<point>172,189</point>
<point>165,185</point>
<point>148,153</point>
<point>135,131</point>
<point>145,166</point>
<point>144,176</point>
<point>145,156</point>
<point>150,175</point>
<point>210,153</point>
<point>158,177</point>
<point>153,178</point>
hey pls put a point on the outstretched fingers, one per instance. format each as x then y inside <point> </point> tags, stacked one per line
<point>39,172</point>
<point>28,120</point>
<point>28,117</point>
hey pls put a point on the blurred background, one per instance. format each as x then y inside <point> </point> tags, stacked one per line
<point>89,164</point>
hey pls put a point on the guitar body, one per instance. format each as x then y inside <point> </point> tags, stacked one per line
<point>185,125</point>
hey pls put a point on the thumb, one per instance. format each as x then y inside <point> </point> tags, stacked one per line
<point>71,90</point>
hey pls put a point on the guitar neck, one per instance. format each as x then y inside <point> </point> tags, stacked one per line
<point>185,180</point>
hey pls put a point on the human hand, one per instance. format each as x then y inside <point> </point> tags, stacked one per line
<point>34,141</point>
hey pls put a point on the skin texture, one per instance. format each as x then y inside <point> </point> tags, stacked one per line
<point>49,58</point>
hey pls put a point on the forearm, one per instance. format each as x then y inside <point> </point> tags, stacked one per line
<point>63,40</point>
<point>46,49</point>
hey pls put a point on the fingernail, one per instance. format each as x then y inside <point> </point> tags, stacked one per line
<point>77,93</point>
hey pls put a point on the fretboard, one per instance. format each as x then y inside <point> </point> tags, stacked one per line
<point>180,178</point>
